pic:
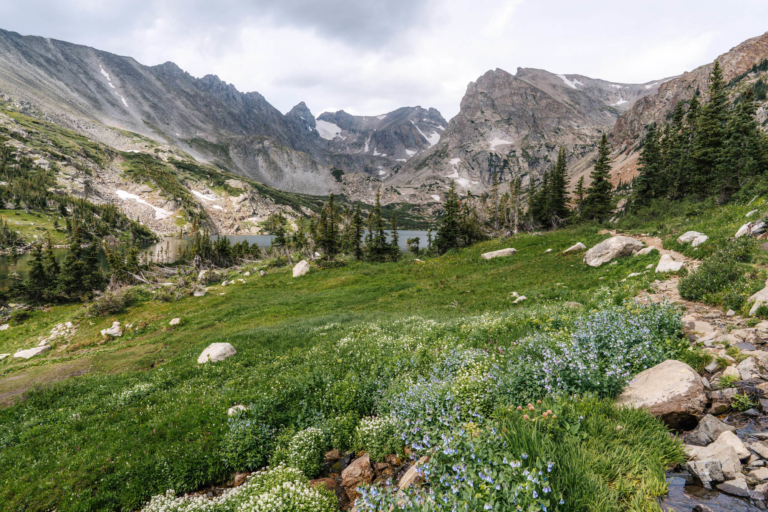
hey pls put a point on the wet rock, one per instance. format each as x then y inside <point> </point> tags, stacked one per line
<point>671,390</point>
<point>300,269</point>
<point>356,474</point>
<point>729,460</point>
<point>216,352</point>
<point>710,428</point>
<point>610,249</point>
<point>735,487</point>
<point>706,471</point>
<point>498,254</point>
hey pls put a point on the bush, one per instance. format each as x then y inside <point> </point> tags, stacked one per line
<point>246,444</point>
<point>108,305</point>
<point>719,275</point>
<point>306,451</point>
<point>279,489</point>
<point>379,437</point>
<point>19,316</point>
<point>340,431</point>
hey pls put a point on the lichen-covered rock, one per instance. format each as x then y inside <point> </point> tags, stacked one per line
<point>612,248</point>
<point>671,390</point>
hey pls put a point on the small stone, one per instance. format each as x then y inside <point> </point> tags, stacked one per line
<point>547,251</point>
<point>262,273</point>
<point>4,327</point>
<point>711,367</point>
<point>357,473</point>
<point>236,409</point>
<point>573,305</point>
<point>199,293</point>
<point>240,479</point>
<point>731,313</point>
<point>519,299</point>
<point>760,448</point>
<point>668,264</point>
<point>3,356</point>
<point>247,274</point>
<point>578,247</point>
<point>412,476</point>
<point>175,321</point>
<point>706,471</point>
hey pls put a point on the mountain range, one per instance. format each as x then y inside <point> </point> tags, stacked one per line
<point>509,123</point>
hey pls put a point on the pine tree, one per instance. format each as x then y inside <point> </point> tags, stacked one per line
<point>580,193</point>
<point>394,238</point>
<point>515,192</point>
<point>72,270</point>
<point>745,152</point>
<point>558,191</point>
<point>132,260</point>
<point>37,280</point>
<point>449,231</point>
<point>93,278</point>
<point>494,206</point>
<point>51,265</point>
<point>650,169</point>
<point>684,171</point>
<point>357,233</point>
<point>377,246</point>
<point>328,239</point>
<point>710,136</point>
<point>598,200</point>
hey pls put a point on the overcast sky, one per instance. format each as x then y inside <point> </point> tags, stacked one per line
<point>372,56</point>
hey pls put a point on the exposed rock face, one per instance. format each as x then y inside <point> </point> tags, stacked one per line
<point>524,117</point>
<point>671,390</point>
<point>216,352</point>
<point>498,254</point>
<point>615,247</point>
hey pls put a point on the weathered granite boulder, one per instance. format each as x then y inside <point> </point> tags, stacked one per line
<point>671,390</point>
<point>668,264</point>
<point>216,352</point>
<point>612,248</point>
<point>301,268</point>
<point>356,474</point>
<point>710,428</point>
<point>689,237</point>
<point>31,352</point>
<point>498,254</point>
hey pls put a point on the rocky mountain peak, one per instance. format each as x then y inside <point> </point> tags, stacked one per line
<point>302,116</point>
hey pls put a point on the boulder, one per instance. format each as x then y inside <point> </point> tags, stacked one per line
<point>413,475</point>
<point>356,474</point>
<point>498,254</point>
<point>751,229</point>
<point>3,356</point>
<point>612,248</point>
<point>236,409</point>
<point>748,368</point>
<point>729,461</point>
<point>175,321</point>
<point>247,274</point>
<point>689,237</point>
<point>699,240</point>
<point>5,327</point>
<point>706,472</point>
<point>216,352</point>
<point>114,331</point>
<point>736,487</point>
<point>262,273</point>
<point>202,275</point>
<point>32,352</point>
<point>646,251</point>
<point>758,299</point>
<point>710,428</point>
<point>671,390</point>
<point>667,264</point>
<point>301,268</point>
<point>578,247</point>
<point>199,293</point>
<point>759,474</point>
<point>728,438</point>
<point>731,371</point>
<point>760,448</point>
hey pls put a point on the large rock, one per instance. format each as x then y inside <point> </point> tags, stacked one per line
<point>706,471</point>
<point>699,240</point>
<point>710,428</point>
<point>301,268</point>
<point>667,264</point>
<point>671,390</point>
<point>689,237</point>
<point>736,487</point>
<point>498,254</point>
<point>216,352</point>
<point>578,247</point>
<point>413,475</point>
<point>615,247</point>
<point>751,229</point>
<point>32,352</point>
<point>728,438</point>
<point>356,474</point>
<point>729,460</point>
<point>758,299</point>
<point>114,331</point>
<point>748,369</point>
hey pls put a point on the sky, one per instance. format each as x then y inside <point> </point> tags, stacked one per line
<point>369,57</point>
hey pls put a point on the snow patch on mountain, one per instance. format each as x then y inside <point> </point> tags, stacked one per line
<point>328,131</point>
<point>568,82</point>
<point>160,213</point>
<point>498,142</point>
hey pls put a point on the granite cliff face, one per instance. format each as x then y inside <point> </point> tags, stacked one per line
<point>91,92</point>
<point>523,118</point>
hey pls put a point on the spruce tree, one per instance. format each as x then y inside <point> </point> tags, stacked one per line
<point>377,247</point>
<point>580,192</point>
<point>357,233</point>
<point>93,278</point>
<point>72,270</point>
<point>558,191</point>
<point>598,200</point>
<point>745,152</point>
<point>37,280</point>
<point>710,136</point>
<point>51,265</point>
<point>449,231</point>
<point>394,238</point>
<point>515,192</point>
<point>650,169</point>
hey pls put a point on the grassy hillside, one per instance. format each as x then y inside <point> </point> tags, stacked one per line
<point>143,417</point>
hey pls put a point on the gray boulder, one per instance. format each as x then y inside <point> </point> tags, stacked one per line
<point>735,487</point>
<point>113,331</point>
<point>671,390</point>
<point>667,264</point>
<point>706,471</point>
<point>498,254</point>
<point>32,352</point>
<point>647,250</point>
<point>614,247</point>
<point>710,428</point>
<point>216,352</point>
<point>301,268</point>
<point>689,237</point>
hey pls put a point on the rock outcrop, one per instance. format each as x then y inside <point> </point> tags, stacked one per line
<point>612,248</point>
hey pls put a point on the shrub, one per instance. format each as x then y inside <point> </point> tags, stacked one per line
<point>279,489</point>
<point>718,274</point>
<point>18,316</point>
<point>339,431</point>
<point>378,436</point>
<point>246,444</point>
<point>108,305</point>
<point>306,451</point>
<point>742,402</point>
